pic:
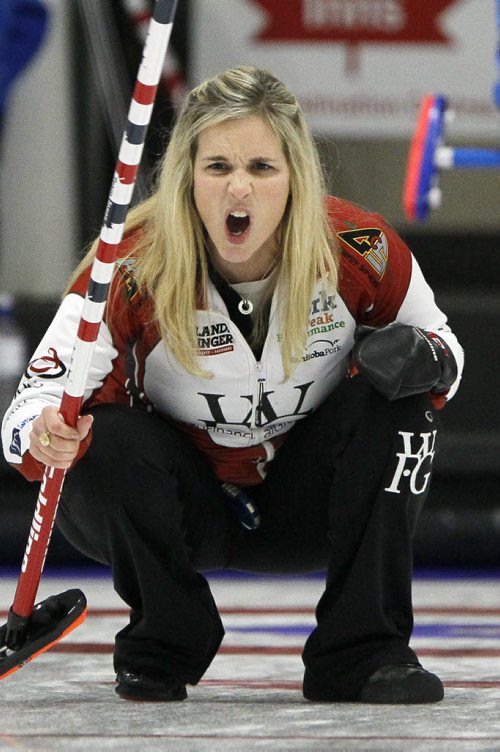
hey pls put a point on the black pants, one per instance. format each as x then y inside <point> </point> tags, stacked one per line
<point>343,494</point>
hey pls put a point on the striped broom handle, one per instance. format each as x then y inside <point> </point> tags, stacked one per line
<point>171,80</point>
<point>119,200</point>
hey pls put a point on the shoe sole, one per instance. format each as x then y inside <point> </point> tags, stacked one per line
<point>129,694</point>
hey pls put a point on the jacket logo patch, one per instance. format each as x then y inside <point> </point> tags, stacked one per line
<point>126,268</point>
<point>371,243</point>
<point>46,367</point>
<point>214,339</point>
<point>15,446</point>
<point>319,348</point>
<point>322,319</point>
<point>261,410</point>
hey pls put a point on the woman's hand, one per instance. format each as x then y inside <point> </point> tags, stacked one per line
<point>400,360</point>
<point>55,443</point>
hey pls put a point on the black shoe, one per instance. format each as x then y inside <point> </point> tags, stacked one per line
<point>132,686</point>
<point>395,684</point>
<point>402,683</point>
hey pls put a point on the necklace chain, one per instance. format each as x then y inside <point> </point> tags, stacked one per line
<point>245,306</point>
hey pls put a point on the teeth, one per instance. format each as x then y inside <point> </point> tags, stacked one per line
<point>237,222</point>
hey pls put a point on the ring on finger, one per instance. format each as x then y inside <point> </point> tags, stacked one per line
<point>44,438</point>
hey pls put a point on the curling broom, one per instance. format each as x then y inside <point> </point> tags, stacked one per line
<point>31,630</point>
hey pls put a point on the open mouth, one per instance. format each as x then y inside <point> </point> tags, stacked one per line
<point>237,222</point>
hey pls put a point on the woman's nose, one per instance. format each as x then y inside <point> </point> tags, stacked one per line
<point>239,185</point>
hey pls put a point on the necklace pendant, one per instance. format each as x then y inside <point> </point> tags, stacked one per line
<point>245,306</point>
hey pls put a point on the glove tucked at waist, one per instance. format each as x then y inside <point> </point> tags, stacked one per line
<point>399,360</point>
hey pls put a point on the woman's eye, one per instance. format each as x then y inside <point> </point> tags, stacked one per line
<point>262,166</point>
<point>217,166</point>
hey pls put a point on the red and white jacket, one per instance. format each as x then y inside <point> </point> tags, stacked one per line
<point>241,415</point>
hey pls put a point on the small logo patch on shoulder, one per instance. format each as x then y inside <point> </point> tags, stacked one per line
<point>369,242</point>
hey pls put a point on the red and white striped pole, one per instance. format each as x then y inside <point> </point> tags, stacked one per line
<point>171,80</point>
<point>120,197</point>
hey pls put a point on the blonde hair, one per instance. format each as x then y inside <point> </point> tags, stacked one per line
<point>171,254</point>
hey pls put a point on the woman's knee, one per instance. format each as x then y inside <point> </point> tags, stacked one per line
<point>356,409</point>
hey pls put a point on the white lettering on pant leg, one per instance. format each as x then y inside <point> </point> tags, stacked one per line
<point>417,457</point>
